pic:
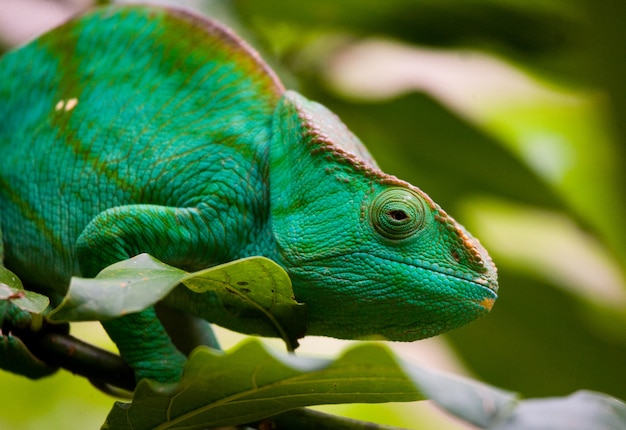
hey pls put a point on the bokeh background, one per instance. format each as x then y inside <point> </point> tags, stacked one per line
<point>511,114</point>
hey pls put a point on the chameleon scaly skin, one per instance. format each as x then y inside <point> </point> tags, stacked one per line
<point>139,129</point>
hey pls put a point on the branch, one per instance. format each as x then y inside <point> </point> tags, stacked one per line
<point>101,367</point>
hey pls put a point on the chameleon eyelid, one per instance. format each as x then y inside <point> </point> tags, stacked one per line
<point>397,214</point>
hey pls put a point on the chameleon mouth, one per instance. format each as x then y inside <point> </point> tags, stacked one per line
<point>487,284</point>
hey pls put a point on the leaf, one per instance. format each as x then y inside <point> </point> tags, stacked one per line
<point>11,289</point>
<point>122,288</point>
<point>255,290</point>
<point>473,401</point>
<point>15,356</point>
<point>580,411</point>
<point>255,283</point>
<point>252,383</point>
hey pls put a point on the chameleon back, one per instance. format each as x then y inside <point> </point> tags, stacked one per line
<point>113,110</point>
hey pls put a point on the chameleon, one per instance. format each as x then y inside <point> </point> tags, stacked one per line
<point>143,129</point>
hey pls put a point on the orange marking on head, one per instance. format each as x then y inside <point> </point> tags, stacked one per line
<point>487,303</point>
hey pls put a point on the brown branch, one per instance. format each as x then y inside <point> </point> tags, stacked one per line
<point>60,349</point>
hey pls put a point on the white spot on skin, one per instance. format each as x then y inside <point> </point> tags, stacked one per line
<point>67,105</point>
<point>71,103</point>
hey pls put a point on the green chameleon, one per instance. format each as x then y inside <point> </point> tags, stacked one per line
<point>138,129</point>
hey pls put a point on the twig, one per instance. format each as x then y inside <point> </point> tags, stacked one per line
<point>63,350</point>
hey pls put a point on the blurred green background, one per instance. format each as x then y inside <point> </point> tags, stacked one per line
<point>510,114</point>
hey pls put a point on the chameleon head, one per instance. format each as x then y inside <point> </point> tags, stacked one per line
<point>370,255</point>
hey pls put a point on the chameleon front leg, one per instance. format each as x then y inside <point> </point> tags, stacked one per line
<point>177,236</point>
<point>146,347</point>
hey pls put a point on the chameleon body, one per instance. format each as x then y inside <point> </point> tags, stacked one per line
<point>140,129</point>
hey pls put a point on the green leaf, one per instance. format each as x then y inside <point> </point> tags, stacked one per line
<point>255,283</point>
<point>252,383</point>
<point>11,289</point>
<point>122,288</point>
<point>251,294</point>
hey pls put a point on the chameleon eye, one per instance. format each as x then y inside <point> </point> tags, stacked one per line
<point>397,213</point>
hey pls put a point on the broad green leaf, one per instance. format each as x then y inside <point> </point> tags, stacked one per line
<point>11,289</point>
<point>122,288</point>
<point>252,295</point>
<point>255,283</point>
<point>252,383</point>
